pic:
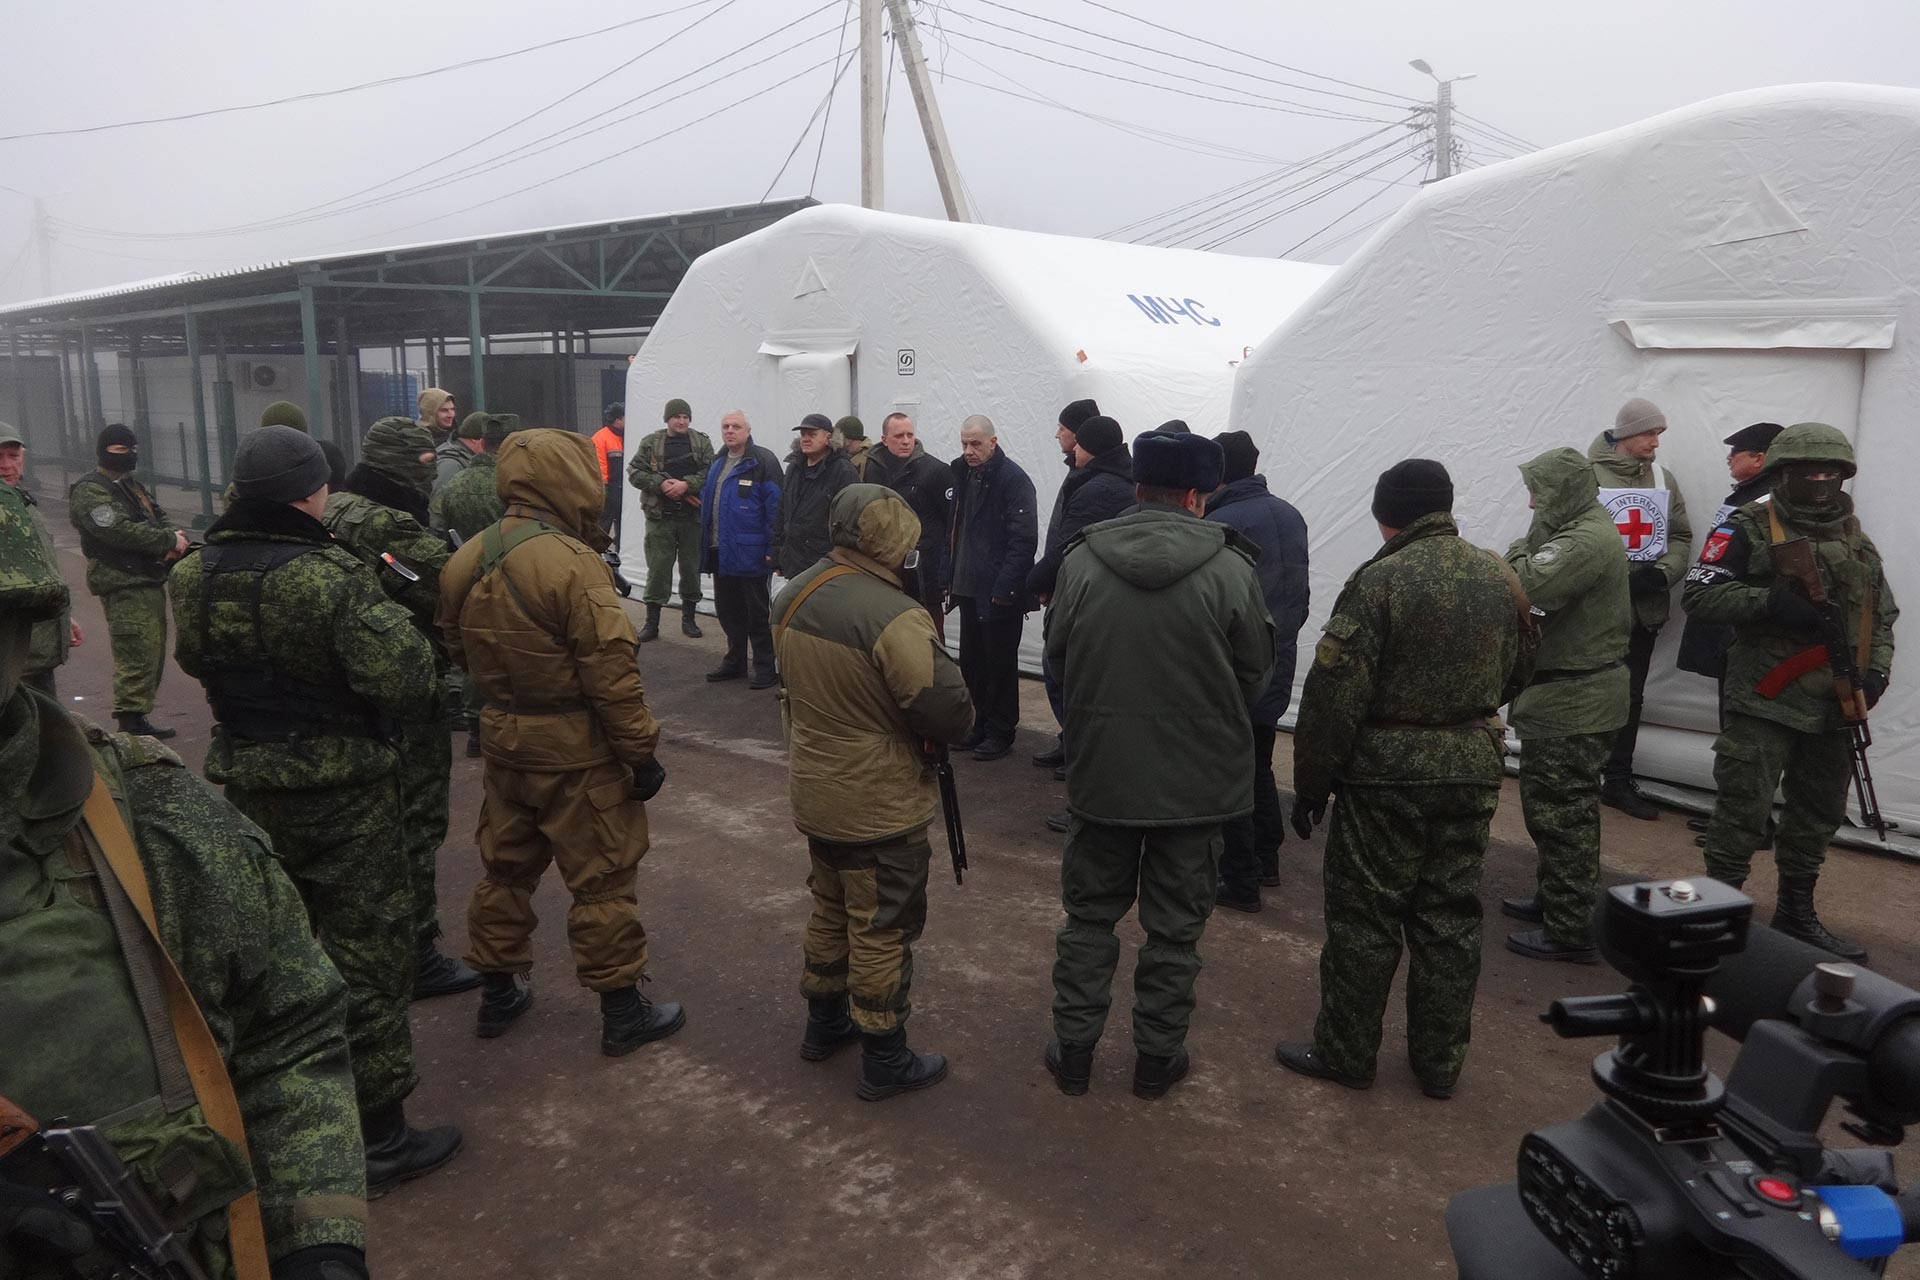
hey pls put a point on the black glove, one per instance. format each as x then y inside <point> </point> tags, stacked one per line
<point>1792,610</point>
<point>1306,814</point>
<point>323,1262</point>
<point>1647,580</point>
<point>34,1227</point>
<point>1874,685</point>
<point>648,778</point>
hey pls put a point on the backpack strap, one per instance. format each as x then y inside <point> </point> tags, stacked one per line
<point>826,576</point>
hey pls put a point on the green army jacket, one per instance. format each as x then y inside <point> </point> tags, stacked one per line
<point>51,636</point>
<point>1426,642</point>
<point>1614,471</point>
<point>1574,569</point>
<point>644,472</point>
<point>123,531</point>
<point>1730,584</point>
<point>471,500</point>
<point>371,529</point>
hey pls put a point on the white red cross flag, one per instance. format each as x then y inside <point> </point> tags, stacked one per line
<point>1642,517</point>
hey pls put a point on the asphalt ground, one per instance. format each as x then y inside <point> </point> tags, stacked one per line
<point>719,1153</point>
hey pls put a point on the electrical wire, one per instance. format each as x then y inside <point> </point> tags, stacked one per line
<point>826,101</point>
<point>1508,134</point>
<point>1370,198</point>
<point>345,89</point>
<point>1207,221</point>
<point>826,124</point>
<point>1301,204</point>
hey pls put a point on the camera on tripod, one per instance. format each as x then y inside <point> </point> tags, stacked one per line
<point>1673,1174</point>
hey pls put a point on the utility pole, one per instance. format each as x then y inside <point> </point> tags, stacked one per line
<point>944,169</point>
<point>1442,118</point>
<point>873,90</point>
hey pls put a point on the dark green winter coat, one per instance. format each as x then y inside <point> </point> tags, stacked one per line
<point>123,532</point>
<point>377,516</point>
<point>1161,638</point>
<point>1426,638</point>
<point>1574,569</point>
<point>646,471</point>
<point>471,500</point>
<point>52,637</point>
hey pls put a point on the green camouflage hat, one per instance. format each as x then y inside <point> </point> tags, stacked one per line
<point>1805,442</point>
<point>499,426</point>
<point>473,426</point>
<point>284,413</point>
<point>393,447</point>
<point>30,584</point>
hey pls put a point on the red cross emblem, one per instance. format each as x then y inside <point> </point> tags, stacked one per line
<point>1635,529</point>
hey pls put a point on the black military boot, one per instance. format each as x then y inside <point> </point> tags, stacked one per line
<point>1236,898</point>
<point>689,625</point>
<point>1794,916</point>
<point>1152,1076</point>
<point>435,974</point>
<point>1527,908</point>
<point>888,1067</point>
<point>1535,944</point>
<point>397,1153</point>
<point>1070,1065</point>
<point>503,998</point>
<point>829,1029</point>
<point>137,722</point>
<point>764,677</point>
<point>629,1020</point>
<point>652,630</point>
<point>1623,794</point>
<point>1303,1057</point>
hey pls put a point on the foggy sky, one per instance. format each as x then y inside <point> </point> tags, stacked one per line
<point>1545,73</point>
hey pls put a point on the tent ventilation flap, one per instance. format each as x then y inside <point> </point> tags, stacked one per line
<point>1828,324</point>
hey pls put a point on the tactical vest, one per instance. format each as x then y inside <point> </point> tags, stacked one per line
<point>132,510</point>
<point>495,544</point>
<point>254,698</point>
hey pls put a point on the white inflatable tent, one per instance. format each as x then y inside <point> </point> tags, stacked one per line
<point>1750,258</point>
<point>841,310</point>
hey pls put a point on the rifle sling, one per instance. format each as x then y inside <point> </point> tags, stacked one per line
<point>109,832</point>
<point>826,576</point>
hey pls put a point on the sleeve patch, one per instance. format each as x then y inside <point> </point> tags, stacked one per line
<point>105,516</point>
<point>1333,641</point>
<point>1547,554</point>
<point>1717,545</point>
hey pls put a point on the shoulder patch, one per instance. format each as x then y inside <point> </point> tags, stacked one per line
<point>1716,545</point>
<point>1547,554</point>
<point>105,515</point>
<point>1333,640</point>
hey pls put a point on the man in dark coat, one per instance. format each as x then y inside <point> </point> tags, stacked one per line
<point>1252,854</point>
<point>995,530</point>
<point>903,465</point>
<point>1703,644</point>
<point>816,471</point>
<point>1066,434</point>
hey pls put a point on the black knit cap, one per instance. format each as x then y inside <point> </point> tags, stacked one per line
<point>614,412</point>
<point>279,464</point>
<point>1411,489</point>
<point>1169,461</point>
<point>1076,413</point>
<point>1757,438</point>
<point>1174,427</point>
<point>1243,457</point>
<point>117,433</point>
<point>1098,434</point>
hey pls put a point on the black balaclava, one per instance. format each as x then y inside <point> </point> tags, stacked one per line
<point>1810,499</point>
<point>113,434</point>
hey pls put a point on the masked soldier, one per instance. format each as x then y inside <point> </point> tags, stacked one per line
<point>1573,567</point>
<point>529,609</point>
<point>1783,723</point>
<point>194,1020</point>
<point>129,544</point>
<point>667,467</point>
<point>1400,712</point>
<point>382,518</point>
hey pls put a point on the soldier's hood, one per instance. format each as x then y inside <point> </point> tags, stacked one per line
<point>1563,487</point>
<point>876,522</point>
<point>1153,546</point>
<point>557,472</point>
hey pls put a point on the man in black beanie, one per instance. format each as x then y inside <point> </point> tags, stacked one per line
<point>129,544</point>
<point>308,668</point>
<point>1159,749</point>
<point>1066,434</point>
<point>1242,503</point>
<point>1400,717</point>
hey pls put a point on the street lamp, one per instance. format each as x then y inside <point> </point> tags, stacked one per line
<point>1442,117</point>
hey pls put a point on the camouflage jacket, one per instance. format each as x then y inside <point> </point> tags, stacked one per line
<point>323,622</point>
<point>51,636</point>
<point>646,472</point>
<point>1427,641</point>
<point>450,457</point>
<point>1731,582</point>
<point>471,500</point>
<point>371,528</point>
<point>123,531</point>
<point>233,924</point>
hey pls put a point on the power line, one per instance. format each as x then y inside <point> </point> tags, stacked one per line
<point>826,102</point>
<point>1207,221</point>
<point>1370,198</point>
<point>1301,204</point>
<point>826,124</point>
<point>1507,133</point>
<point>352,88</point>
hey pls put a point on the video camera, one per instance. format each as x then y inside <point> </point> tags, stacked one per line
<point>1674,1174</point>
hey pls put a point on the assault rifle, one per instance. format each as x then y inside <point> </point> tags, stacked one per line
<point>1795,559</point>
<point>83,1174</point>
<point>936,754</point>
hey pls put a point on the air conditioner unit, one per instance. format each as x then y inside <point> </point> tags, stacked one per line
<point>262,377</point>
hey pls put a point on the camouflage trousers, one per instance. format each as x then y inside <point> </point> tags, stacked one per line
<point>672,541</point>
<point>869,907</point>
<point>1403,864</point>
<point>137,633</point>
<point>1560,801</point>
<point>426,781</point>
<point>341,848</point>
<point>1172,871</point>
<point>589,823</point>
<point>1751,758</point>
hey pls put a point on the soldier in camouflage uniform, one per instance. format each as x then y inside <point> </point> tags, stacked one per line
<point>129,544</point>
<point>1573,567</point>
<point>309,670</point>
<point>469,503</point>
<point>667,467</point>
<point>452,456</point>
<point>52,637</point>
<point>233,926</point>
<point>382,518</point>
<point>1400,715</point>
<point>1783,726</point>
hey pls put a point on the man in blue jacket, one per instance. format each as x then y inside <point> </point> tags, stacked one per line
<point>1251,857</point>
<point>995,532</point>
<point>739,505</point>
